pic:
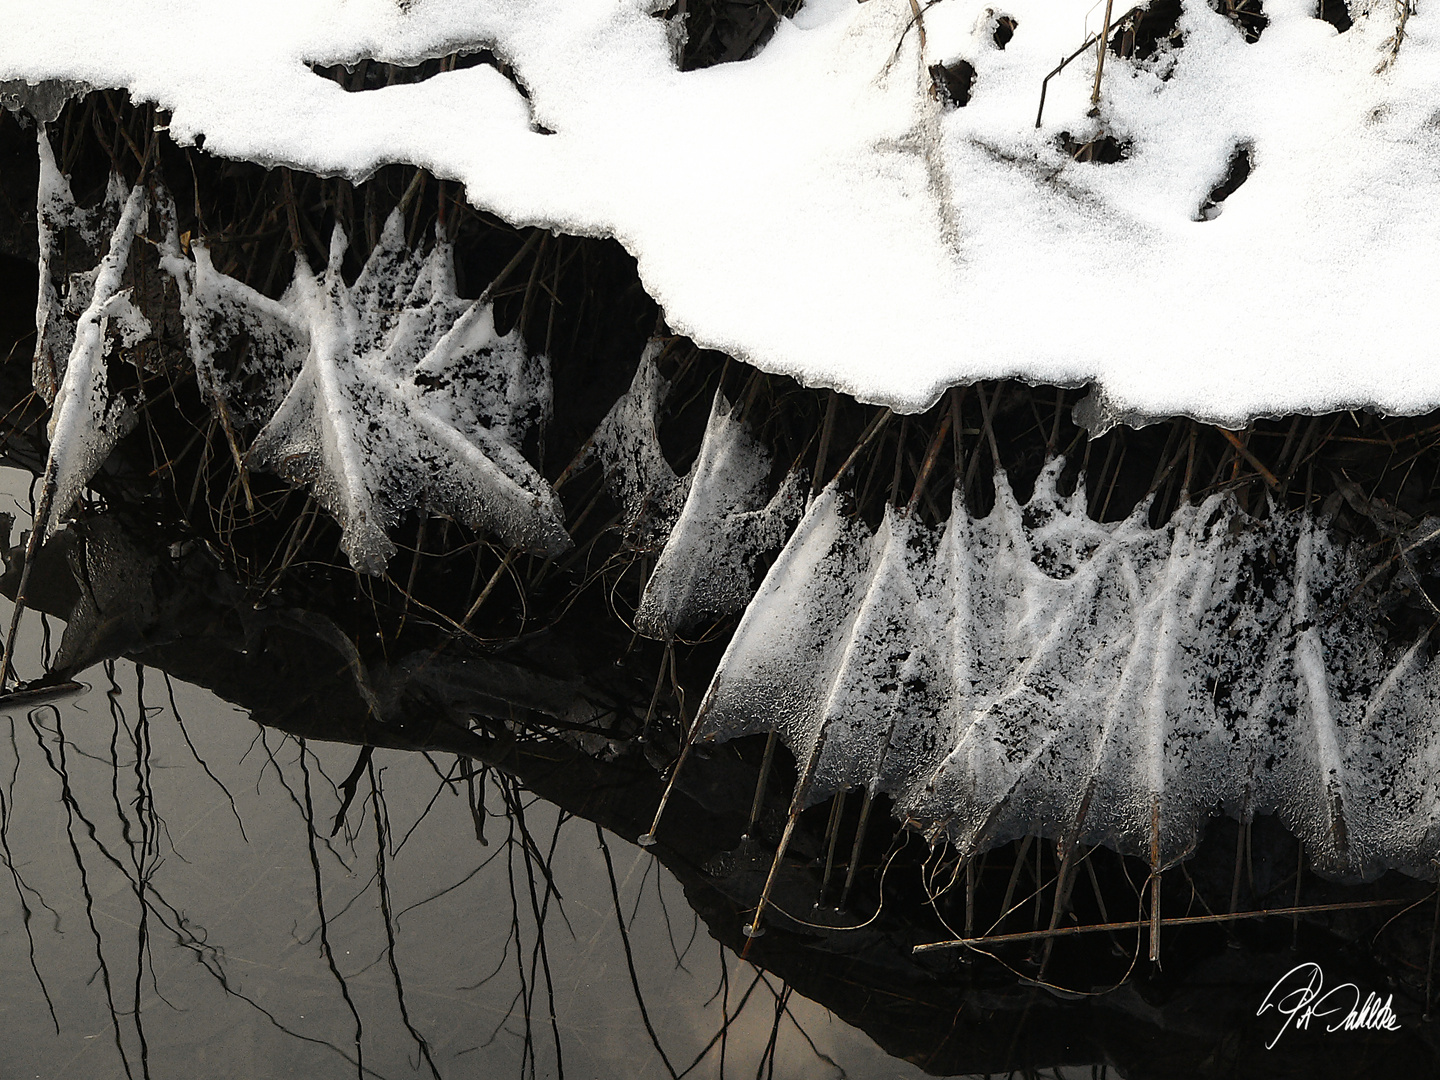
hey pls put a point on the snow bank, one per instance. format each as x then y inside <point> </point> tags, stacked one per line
<point>818,211</point>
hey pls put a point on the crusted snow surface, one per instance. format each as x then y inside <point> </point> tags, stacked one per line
<point>380,396</point>
<point>1034,671</point>
<point>818,211</point>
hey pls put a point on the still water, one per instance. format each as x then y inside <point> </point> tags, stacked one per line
<point>177,907</point>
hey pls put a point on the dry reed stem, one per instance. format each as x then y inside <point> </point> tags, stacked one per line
<point>1139,924</point>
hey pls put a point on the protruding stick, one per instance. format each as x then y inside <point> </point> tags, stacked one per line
<point>855,848</point>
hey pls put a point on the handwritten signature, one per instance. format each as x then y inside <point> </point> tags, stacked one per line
<point>1300,996</point>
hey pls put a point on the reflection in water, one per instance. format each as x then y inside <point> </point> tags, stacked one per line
<point>194,894</point>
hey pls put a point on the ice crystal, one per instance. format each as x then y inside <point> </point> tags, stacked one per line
<point>707,566</point>
<point>380,396</point>
<point>1034,671</point>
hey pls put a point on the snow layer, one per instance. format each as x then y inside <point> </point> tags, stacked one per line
<point>817,211</point>
<point>1035,671</point>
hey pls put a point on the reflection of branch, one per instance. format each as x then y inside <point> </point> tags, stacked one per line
<point>165,914</point>
<point>781,1002</point>
<point>449,888</point>
<point>726,1016</point>
<point>445,783</point>
<point>72,810</point>
<point>539,912</point>
<point>629,956</point>
<point>670,930</point>
<point>20,887</point>
<point>511,791</point>
<point>382,837</point>
<point>475,797</point>
<point>175,711</point>
<point>525,996</point>
<point>782,1007</point>
<point>350,783</point>
<point>294,798</point>
<point>320,908</point>
<point>144,810</point>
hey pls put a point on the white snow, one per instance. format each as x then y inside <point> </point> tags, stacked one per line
<point>815,211</point>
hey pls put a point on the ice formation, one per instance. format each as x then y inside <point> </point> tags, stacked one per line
<point>79,318</point>
<point>707,566</point>
<point>1034,671</point>
<point>823,212</point>
<point>710,525</point>
<point>627,445</point>
<point>381,396</point>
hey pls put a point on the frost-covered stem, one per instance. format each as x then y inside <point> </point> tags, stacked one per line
<point>509,268</point>
<point>648,839</point>
<point>329,347</point>
<point>825,431</point>
<point>227,425</point>
<point>1240,836</point>
<point>1310,666</point>
<point>1064,63</point>
<point>769,759</point>
<point>929,464</point>
<point>1434,931</point>
<point>1062,877</point>
<point>865,438</point>
<point>1025,842</point>
<point>1100,59</point>
<point>797,801</point>
<point>1155,881</point>
<point>1403,10</point>
<point>753,929</point>
<point>832,829</point>
<point>969,898</point>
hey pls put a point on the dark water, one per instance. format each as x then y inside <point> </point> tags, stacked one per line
<point>163,845</point>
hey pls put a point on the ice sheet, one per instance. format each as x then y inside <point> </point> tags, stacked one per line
<point>1034,671</point>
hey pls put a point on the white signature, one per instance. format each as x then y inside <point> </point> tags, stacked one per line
<point>1300,996</point>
